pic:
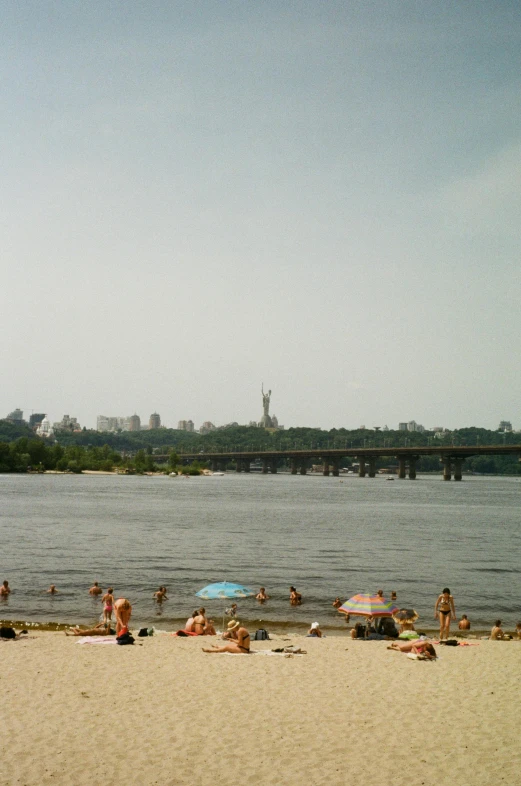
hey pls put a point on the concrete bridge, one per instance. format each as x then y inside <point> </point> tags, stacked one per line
<point>451,458</point>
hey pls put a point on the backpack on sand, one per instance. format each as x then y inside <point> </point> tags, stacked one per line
<point>261,635</point>
<point>7,633</point>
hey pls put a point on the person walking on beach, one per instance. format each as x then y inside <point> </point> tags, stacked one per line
<point>5,589</point>
<point>108,605</point>
<point>239,647</point>
<point>445,610</point>
<point>95,589</point>
<point>123,612</point>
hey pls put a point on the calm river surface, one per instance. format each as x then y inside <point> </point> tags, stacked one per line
<point>327,536</point>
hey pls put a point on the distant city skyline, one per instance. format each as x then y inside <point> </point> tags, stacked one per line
<point>134,422</point>
<point>321,196</point>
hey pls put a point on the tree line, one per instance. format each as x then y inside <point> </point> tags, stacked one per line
<point>134,451</point>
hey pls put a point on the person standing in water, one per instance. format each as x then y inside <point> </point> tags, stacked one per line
<point>108,605</point>
<point>445,610</point>
<point>5,589</point>
<point>95,589</point>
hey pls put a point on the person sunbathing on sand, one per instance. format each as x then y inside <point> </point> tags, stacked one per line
<point>123,611</point>
<point>239,647</point>
<point>209,628</point>
<point>315,631</point>
<point>417,647</point>
<point>98,630</point>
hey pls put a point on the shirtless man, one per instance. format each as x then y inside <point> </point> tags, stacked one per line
<point>497,633</point>
<point>5,589</point>
<point>123,611</point>
<point>464,623</point>
<point>336,603</point>
<point>52,590</point>
<point>95,589</point>
<point>261,596</point>
<point>239,647</point>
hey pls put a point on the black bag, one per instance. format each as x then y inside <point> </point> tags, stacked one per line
<point>143,632</point>
<point>450,643</point>
<point>125,638</point>
<point>261,635</point>
<point>7,632</point>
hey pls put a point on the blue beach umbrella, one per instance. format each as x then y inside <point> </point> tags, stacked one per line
<point>224,590</point>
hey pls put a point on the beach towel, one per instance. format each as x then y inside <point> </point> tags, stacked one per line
<point>97,640</point>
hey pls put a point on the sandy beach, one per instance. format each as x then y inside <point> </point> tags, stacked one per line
<point>163,712</point>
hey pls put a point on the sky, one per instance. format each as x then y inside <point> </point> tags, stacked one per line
<point>201,197</point>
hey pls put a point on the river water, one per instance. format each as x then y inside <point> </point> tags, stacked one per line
<point>327,536</point>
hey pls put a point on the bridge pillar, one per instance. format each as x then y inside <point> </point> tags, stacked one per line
<point>215,465</point>
<point>412,467</point>
<point>304,467</point>
<point>273,466</point>
<point>246,465</point>
<point>239,467</point>
<point>264,466</point>
<point>325,471</point>
<point>401,467</point>
<point>458,463</point>
<point>447,469</point>
<point>294,466</point>
<point>361,468</point>
<point>372,466</point>
<point>336,467</point>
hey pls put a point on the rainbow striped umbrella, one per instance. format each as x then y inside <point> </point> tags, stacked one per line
<point>368,606</point>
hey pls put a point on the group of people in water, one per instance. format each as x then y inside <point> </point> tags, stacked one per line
<point>237,637</point>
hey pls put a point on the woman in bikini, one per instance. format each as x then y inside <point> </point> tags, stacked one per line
<point>122,611</point>
<point>108,605</point>
<point>445,610</point>
<point>424,648</point>
<point>239,647</point>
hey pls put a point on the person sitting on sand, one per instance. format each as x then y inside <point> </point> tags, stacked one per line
<point>417,647</point>
<point>5,589</point>
<point>160,595</point>
<point>231,632</point>
<point>464,623</point>
<point>52,590</point>
<point>98,630</point>
<point>95,589</point>
<point>518,631</point>
<point>209,628</point>
<point>199,624</point>
<point>189,627</point>
<point>315,631</point>
<point>497,633</point>
<point>261,596</point>
<point>123,611</point>
<point>239,647</point>
<point>336,603</point>
<point>295,598</point>
<point>358,632</point>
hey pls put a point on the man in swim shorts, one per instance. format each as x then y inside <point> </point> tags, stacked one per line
<point>95,589</point>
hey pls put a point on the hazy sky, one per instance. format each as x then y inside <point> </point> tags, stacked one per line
<point>324,196</point>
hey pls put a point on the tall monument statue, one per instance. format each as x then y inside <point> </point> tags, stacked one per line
<point>266,398</point>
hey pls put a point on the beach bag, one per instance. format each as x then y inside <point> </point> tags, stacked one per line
<point>125,638</point>
<point>7,633</point>
<point>143,632</point>
<point>450,643</point>
<point>261,635</point>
